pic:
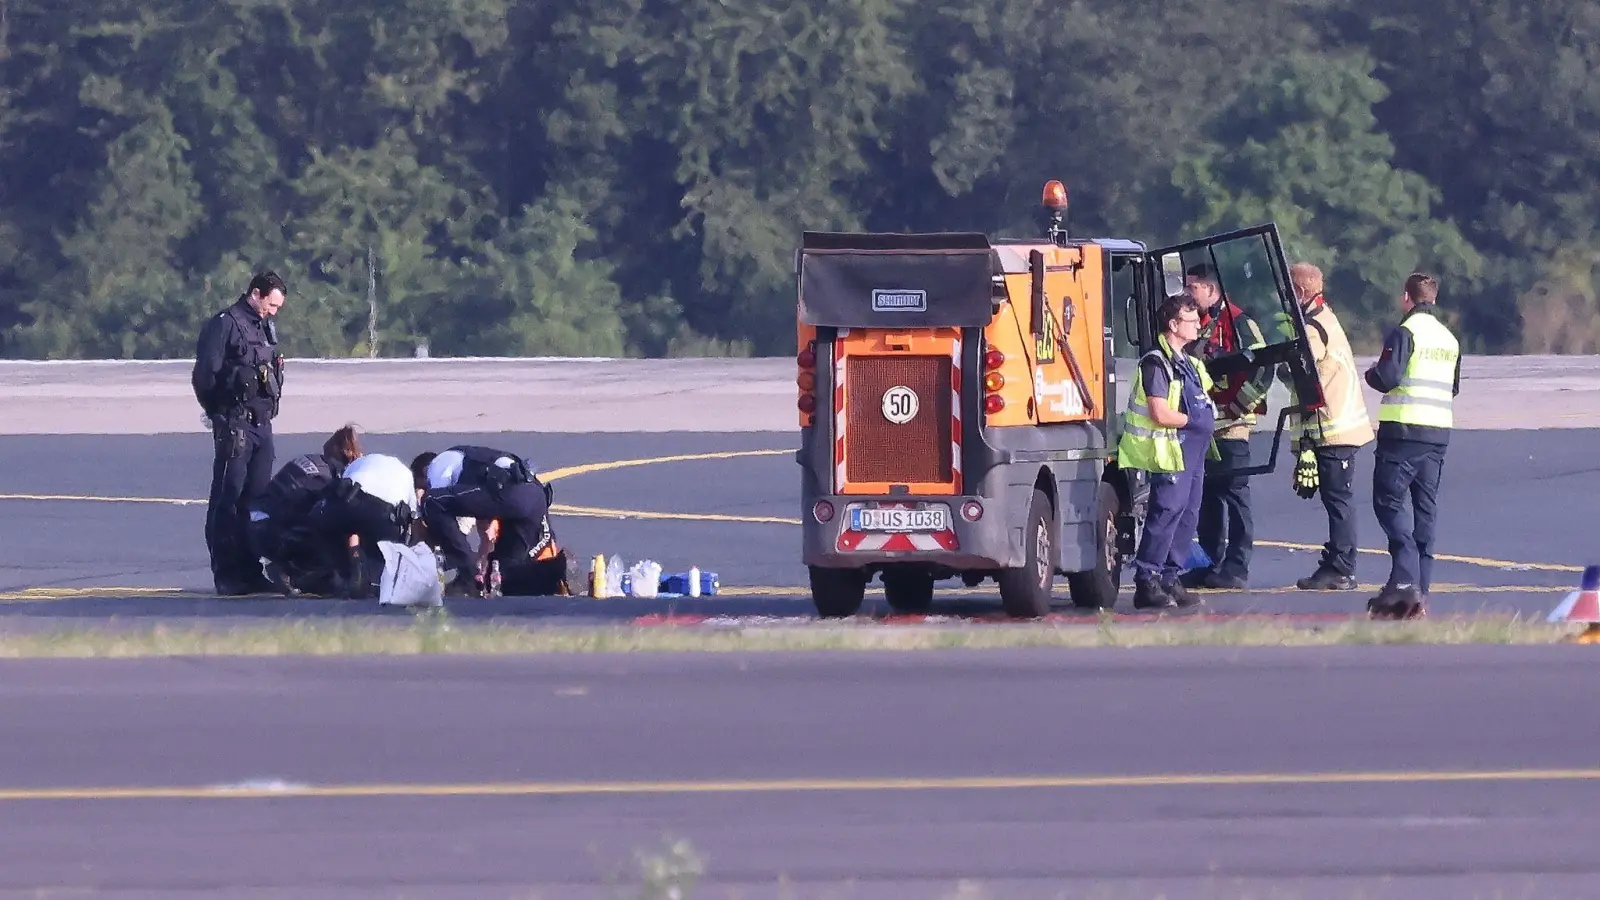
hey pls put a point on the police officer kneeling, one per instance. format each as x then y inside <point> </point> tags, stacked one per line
<point>1167,431</point>
<point>1419,374</point>
<point>372,503</point>
<point>489,485</point>
<point>278,518</point>
<point>238,379</point>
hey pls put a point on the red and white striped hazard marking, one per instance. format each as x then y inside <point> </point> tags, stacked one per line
<point>858,540</point>
<point>955,412</point>
<point>838,415</point>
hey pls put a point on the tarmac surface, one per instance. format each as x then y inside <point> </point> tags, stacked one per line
<point>96,526</point>
<point>1373,772</point>
<point>1311,772</point>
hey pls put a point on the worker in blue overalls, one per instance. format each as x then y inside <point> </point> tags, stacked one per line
<point>1167,431</point>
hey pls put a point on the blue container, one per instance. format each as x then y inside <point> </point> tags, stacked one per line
<point>678,583</point>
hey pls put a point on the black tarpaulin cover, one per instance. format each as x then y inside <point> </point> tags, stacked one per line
<point>895,280</point>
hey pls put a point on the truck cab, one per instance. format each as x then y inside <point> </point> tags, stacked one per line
<point>960,401</point>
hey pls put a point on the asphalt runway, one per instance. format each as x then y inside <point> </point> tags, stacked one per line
<point>1515,506</point>
<point>1328,772</point>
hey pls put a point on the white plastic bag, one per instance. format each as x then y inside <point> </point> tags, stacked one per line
<point>644,577</point>
<point>410,576</point>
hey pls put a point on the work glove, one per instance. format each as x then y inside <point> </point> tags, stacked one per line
<point>1305,473</point>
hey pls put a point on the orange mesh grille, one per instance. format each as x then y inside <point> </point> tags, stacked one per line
<point>878,450</point>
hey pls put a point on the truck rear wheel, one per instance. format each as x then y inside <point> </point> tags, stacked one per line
<point>908,592</point>
<point>1098,587</point>
<point>1025,591</point>
<point>837,593</point>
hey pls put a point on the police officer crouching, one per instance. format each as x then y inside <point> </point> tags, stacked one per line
<point>1419,375</point>
<point>373,502</point>
<point>279,518</point>
<point>1167,431</point>
<point>238,381</point>
<point>490,486</point>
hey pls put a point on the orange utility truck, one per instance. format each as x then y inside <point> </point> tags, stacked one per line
<point>960,402</point>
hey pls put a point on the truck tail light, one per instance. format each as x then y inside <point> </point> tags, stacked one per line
<point>807,379</point>
<point>993,381</point>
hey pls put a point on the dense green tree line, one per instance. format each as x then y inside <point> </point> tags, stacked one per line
<point>576,177</point>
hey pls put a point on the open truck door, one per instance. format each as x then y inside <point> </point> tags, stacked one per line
<point>1254,275</point>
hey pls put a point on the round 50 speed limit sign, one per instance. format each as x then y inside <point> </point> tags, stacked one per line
<point>899,404</point>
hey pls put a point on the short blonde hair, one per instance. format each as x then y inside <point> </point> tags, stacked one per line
<point>1306,277</point>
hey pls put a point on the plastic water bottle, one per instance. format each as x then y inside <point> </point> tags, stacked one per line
<point>494,578</point>
<point>694,581</point>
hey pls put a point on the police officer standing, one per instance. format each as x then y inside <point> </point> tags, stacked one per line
<point>1419,375</point>
<point>238,380</point>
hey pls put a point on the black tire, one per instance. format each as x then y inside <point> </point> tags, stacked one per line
<point>1025,591</point>
<point>837,593</point>
<point>908,592</point>
<point>1098,587</point>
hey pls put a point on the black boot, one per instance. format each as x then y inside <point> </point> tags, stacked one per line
<point>1149,594</point>
<point>1326,580</point>
<point>1180,594</point>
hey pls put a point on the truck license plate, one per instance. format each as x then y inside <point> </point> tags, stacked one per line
<point>933,518</point>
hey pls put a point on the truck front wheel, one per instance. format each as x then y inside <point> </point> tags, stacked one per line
<point>1025,591</point>
<point>837,593</point>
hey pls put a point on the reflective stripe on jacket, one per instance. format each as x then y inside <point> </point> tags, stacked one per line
<point>1344,420</point>
<point>1426,393</point>
<point>1145,445</point>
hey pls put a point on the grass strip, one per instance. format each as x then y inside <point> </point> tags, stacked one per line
<point>436,632</point>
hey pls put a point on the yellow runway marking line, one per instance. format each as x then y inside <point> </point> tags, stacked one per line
<point>612,465</point>
<point>597,512</point>
<point>606,513</point>
<point>795,785</point>
<point>623,514</point>
<point>101,593</point>
<point>730,591</point>
<point>98,498</point>
<point>1287,590</point>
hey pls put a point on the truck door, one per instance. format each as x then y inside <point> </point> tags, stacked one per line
<point>1254,276</point>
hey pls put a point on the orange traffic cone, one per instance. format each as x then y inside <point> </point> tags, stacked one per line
<point>1582,606</point>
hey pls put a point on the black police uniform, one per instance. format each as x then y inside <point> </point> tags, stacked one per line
<point>485,491</point>
<point>238,380</point>
<point>331,565</point>
<point>278,518</point>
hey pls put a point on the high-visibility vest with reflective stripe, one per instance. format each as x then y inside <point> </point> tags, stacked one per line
<point>1343,419</point>
<point>1425,395</point>
<point>1145,445</point>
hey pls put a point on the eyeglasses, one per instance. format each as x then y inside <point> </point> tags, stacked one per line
<point>1188,320</point>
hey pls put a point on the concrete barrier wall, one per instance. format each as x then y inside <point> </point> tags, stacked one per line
<point>587,395</point>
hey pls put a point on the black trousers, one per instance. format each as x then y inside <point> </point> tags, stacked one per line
<point>1402,471</point>
<point>240,470</point>
<point>314,551</point>
<point>1336,476</point>
<point>521,509</point>
<point>1227,529</point>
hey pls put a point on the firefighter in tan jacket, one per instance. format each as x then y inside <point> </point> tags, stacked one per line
<point>1333,434</point>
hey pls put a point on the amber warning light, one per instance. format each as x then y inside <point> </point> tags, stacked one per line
<point>1055,195</point>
